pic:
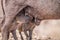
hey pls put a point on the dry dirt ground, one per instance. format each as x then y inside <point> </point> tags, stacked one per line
<point>47,30</point>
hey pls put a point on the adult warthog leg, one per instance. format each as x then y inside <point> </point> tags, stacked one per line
<point>11,11</point>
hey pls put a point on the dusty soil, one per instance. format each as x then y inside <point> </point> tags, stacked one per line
<point>11,36</point>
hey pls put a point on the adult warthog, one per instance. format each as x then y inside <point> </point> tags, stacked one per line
<point>44,9</point>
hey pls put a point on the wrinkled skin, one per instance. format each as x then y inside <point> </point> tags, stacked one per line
<point>45,9</point>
